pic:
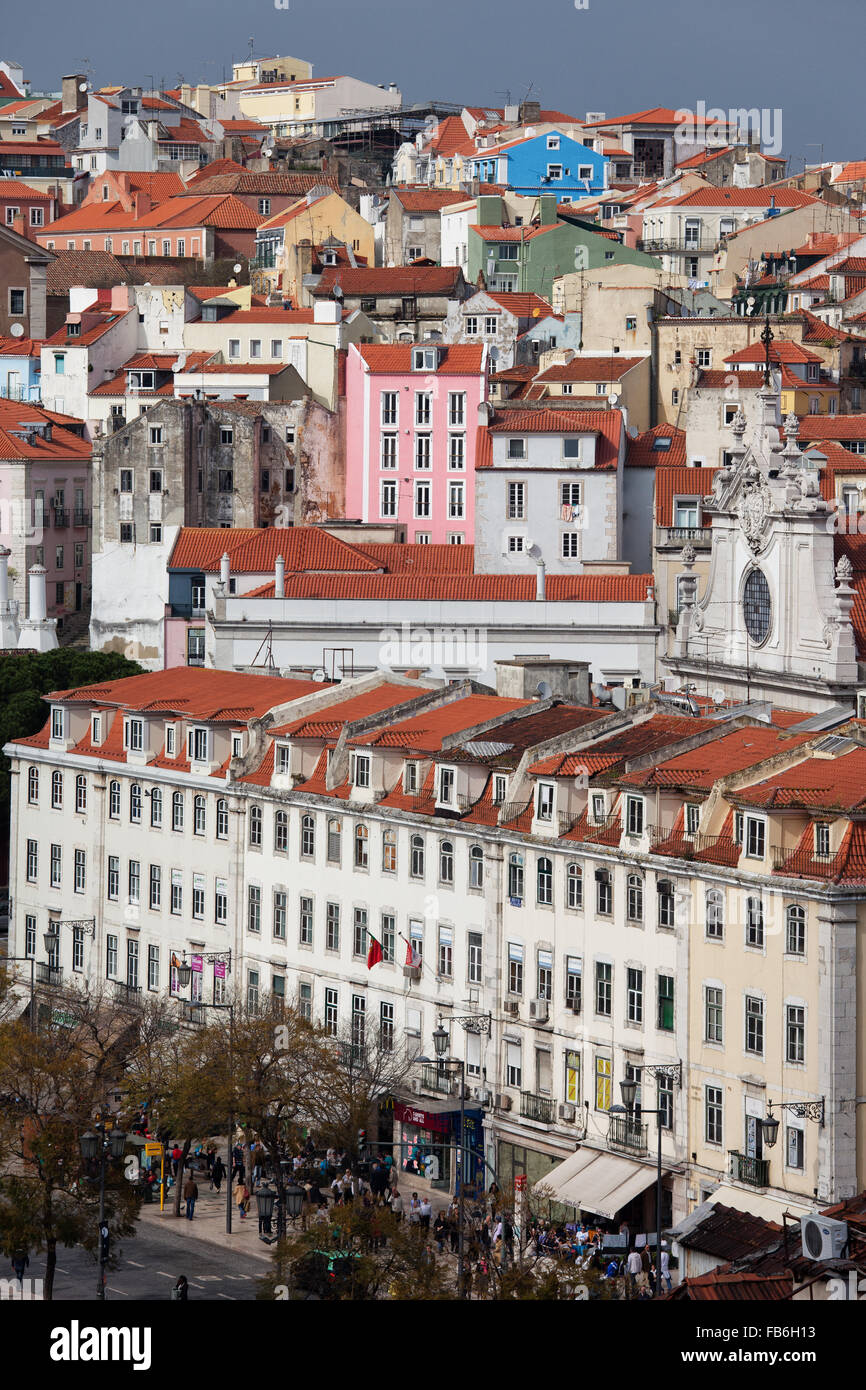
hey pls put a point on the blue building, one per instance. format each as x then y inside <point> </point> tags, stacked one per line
<point>19,369</point>
<point>549,163</point>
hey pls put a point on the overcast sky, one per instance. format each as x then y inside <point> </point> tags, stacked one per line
<point>615,56</point>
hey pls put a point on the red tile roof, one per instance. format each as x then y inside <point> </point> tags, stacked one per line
<point>328,720</point>
<point>619,747</point>
<point>193,692</point>
<point>106,321</point>
<point>523,306</point>
<point>816,783</point>
<point>391,280</point>
<point>679,482</point>
<point>716,380</point>
<point>455,359</point>
<point>425,732</point>
<point>463,588</point>
<point>12,188</point>
<point>605,424</point>
<point>511,233</point>
<point>841,427</point>
<point>781,350</point>
<point>305,549</point>
<point>761,197</point>
<point>20,347</point>
<point>701,767</point>
<point>424,199</point>
<point>609,368</point>
<point>642,452</point>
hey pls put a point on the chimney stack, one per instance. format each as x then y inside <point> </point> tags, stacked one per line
<point>225,569</point>
<point>279,577</point>
<point>72,97</point>
<point>539,580</point>
<point>38,631</point>
<point>8,611</point>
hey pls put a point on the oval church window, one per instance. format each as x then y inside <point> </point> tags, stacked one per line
<point>756,606</point>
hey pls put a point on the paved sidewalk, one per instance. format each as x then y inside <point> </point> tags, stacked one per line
<point>209,1222</point>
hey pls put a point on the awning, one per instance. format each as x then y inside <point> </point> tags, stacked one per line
<point>597,1181</point>
<point>758,1203</point>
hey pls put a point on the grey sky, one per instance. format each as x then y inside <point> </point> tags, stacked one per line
<point>616,56</point>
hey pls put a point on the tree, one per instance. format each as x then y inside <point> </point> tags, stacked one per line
<point>354,1076</point>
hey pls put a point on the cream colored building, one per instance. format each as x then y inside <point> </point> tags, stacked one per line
<point>285,242</point>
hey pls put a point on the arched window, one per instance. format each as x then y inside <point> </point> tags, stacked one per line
<point>416,868</point>
<point>795,930</point>
<point>199,815</point>
<point>715,913</point>
<point>114,800</point>
<point>667,902</point>
<point>222,825</point>
<point>574,884</point>
<point>256,827</point>
<point>81,793</point>
<point>544,881</point>
<point>476,867</point>
<point>335,841</point>
<point>308,837</point>
<point>177,811</point>
<point>515,877</point>
<point>281,832</point>
<point>135,803</point>
<point>362,847</point>
<point>634,898</point>
<point>754,922</point>
<point>33,786</point>
<point>389,851</point>
<point>156,808</point>
<point>57,790</point>
<point>446,862</point>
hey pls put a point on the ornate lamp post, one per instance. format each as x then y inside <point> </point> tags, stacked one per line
<point>102,1143</point>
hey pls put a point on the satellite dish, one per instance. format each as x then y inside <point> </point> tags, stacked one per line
<point>718,696</point>
<point>237,269</point>
<point>320,674</point>
<point>530,132</point>
<point>613,397</point>
<point>544,690</point>
<point>82,86</point>
<point>531,549</point>
<point>17,330</point>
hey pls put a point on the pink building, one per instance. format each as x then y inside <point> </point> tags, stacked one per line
<point>411,416</point>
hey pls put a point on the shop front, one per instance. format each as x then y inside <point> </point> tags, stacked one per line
<point>428,1142</point>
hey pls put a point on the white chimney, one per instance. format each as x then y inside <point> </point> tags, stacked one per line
<point>279,577</point>
<point>8,611</point>
<point>38,631</point>
<point>539,580</point>
<point>225,569</point>
<point>38,607</point>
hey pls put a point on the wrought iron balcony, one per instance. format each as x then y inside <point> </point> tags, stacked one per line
<point>437,1080</point>
<point>127,994</point>
<point>604,825</point>
<point>625,1132</point>
<point>533,1107</point>
<point>803,863</point>
<point>80,518</point>
<point>49,974</point>
<point>745,1168</point>
<point>59,517</point>
<point>567,821</point>
<point>678,243</point>
<point>512,810</point>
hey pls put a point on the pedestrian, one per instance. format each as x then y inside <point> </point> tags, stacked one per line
<point>425,1211</point>
<point>257,1154</point>
<point>242,1199</point>
<point>180,1292</point>
<point>665,1264</point>
<point>482,1278</point>
<point>237,1162</point>
<point>190,1196</point>
<point>633,1268</point>
<point>646,1268</point>
<point>176,1156</point>
<point>439,1232</point>
<point>397,1204</point>
<point>393,1177</point>
<point>217,1174</point>
<point>20,1261</point>
<point>414,1209</point>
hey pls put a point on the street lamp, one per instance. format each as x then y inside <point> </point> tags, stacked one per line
<point>440,1046</point>
<point>265,1197</point>
<point>805,1109</point>
<point>102,1143</point>
<point>628,1090</point>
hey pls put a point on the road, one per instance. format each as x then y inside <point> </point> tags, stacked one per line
<point>149,1264</point>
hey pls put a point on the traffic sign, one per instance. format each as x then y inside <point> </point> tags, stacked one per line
<point>153,1150</point>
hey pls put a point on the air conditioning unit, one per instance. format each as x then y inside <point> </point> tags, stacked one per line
<point>503,1102</point>
<point>416,1085</point>
<point>539,1010</point>
<point>823,1238</point>
<point>511,1006</point>
<point>482,1095</point>
<point>573,1005</point>
<point>566,1112</point>
<point>412,972</point>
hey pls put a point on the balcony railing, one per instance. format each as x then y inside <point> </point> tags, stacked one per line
<point>48,974</point>
<point>624,1132</point>
<point>59,517</point>
<point>678,243</point>
<point>803,863</point>
<point>717,849</point>
<point>604,825</point>
<point>533,1107</point>
<point>512,810</point>
<point>29,394</point>
<point>567,821</point>
<point>679,535</point>
<point>745,1168</point>
<point>434,1079</point>
<point>127,994</point>
<point>80,518</point>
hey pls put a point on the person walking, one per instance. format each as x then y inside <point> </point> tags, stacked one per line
<point>633,1269</point>
<point>237,1162</point>
<point>180,1291</point>
<point>176,1156</point>
<point>665,1264</point>
<point>397,1203</point>
<point>190,1196</point>
<point>217,1174</point>
<point>439,1232</point>
<point>482,1279</point>
<point>20,1261</point>
<point>242,1200</point>
<point>425,1211</point>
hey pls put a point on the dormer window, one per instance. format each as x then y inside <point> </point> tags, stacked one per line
<point>756,837</point>
<point>58,722</point>
<point>360,769</point>
<point>284,754</point>
<point>553,142</point>
<point>447,779</point>
<point>424,359</point>
<point>634,815</point>
<point>133,735</point>
<point>170,740</point>
<point>544,807</point>
<point>500,787</point>
<point>692,819</point>
<point>822,840</point>
<point>517,448</point>
<point>812,371</point>
<point>73,330</point>
<point>197,745</point>
<point>598,808</point>
<point>237,745</point>
<point>96,729</point>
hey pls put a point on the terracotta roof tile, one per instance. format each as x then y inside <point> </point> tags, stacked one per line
<point>454,359</point>
<point>680,482</point>
<point>643,453</point>
<point>192,692</point>
<point>391,280</point>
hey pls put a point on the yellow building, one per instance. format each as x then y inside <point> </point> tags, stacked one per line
<point>286,242</point>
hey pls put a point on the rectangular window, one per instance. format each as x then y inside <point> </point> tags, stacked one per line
<point>665,1016</point>
<point>221,903</point>
<point>55,870</point>
<point>795,1033</point>
<point>794,1148</point>
<point>513,1064</point>
<point>713,1114</point>
<point>254,908</point>
<point>634,815</point>
<point>456,408</point>
<point>332,927</point>
<point>754,922</point>
<point>544,978</point>
<point>359,932</point>
<point>422,500</point>
<point>80,872</point>
<point>603,989</point>
<point>515,509</point>
<point>389,400</point>
<point>113,884</point>
<point>755,838</point>
<point>252,991</point>
<point>388,504</point>
<point>423,452</point>
<point>754,1040</point>
<point>388,455</point>
<point>475,957</point>
<point>634,995</point>
<point>714,1004</point>
<point>665,1094</point>
<point>279,914</point>
<point>603,1077</point>
<point>388,935</point>
<point>359,1022</point>
<point>153,967</point>
<point>446,948</point>
<point>544,809</point>
<point>331,1012</point>
<point>572,1077</point>
<point>457,452</point>
<point>515,968</point>
<point>176,893</point>
<point>134,881</point>
<point>111,956</point>
<point>386,1027</point>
